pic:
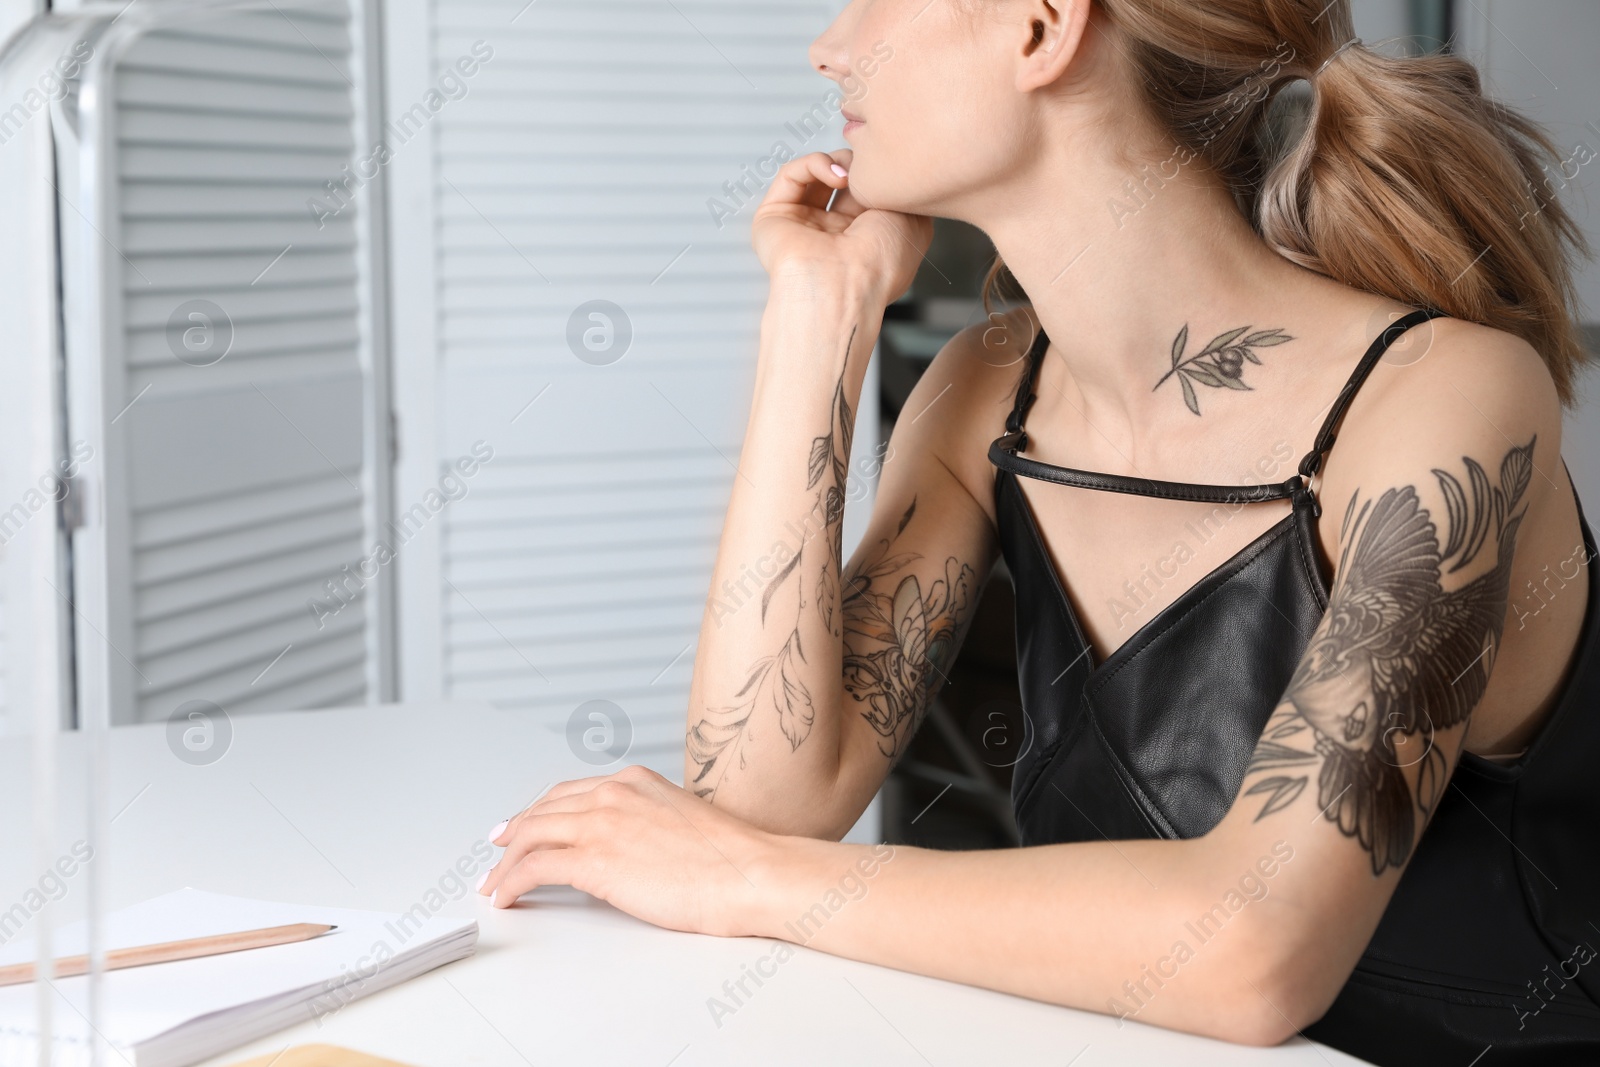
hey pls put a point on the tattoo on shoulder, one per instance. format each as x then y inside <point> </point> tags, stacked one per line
<point>1220,364</point>
<point>900,638</point>
<point>1395,658</point>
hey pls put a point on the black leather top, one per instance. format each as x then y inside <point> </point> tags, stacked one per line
<point>1492,937</point>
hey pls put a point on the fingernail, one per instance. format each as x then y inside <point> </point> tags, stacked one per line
<point>499,829</point>
<point>494,899</point>
<point>482,878</point>
<point>840,171</point>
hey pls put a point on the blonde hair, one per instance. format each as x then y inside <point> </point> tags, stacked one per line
<point>1406,180</point>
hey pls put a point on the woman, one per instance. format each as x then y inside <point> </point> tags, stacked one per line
<point>1311,744</point>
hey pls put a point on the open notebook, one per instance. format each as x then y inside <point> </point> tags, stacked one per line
<point>173,1014</point>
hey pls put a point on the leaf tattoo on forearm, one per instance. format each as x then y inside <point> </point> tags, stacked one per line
<point>774,686</point>
<point>899,641</point>
<point>1220,364</point>
<point>829,455</point>
<point>1395,658</point>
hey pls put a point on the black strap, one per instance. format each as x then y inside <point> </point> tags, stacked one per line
<point>1025,394</point>
<point>1312,461</point>
<point>1001,457</point>
<point>1003,450</point>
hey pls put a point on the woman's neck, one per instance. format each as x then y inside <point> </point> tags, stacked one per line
<point>1113,271</point>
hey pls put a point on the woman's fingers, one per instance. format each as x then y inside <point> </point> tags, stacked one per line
<point>807,180</point>
<point>549,823</point>
<point>550,866</point>
<point>547,831</point>
<point>559,791</point>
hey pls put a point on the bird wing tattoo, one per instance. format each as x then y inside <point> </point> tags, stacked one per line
<point>1396,657</point>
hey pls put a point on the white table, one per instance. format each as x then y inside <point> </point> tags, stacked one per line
<point>369,807</point>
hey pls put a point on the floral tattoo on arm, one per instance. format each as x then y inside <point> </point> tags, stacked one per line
<point>775,687</point>
<point>900,639</point>
<point>1395,659</point>
<point>897,637</point>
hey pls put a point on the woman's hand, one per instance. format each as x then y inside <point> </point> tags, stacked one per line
<point>796,236</point>
<point>644,845</point>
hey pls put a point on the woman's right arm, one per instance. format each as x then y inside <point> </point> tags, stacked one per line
<point>806,688</point>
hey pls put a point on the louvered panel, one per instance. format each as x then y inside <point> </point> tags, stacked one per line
<point>473,139</point>
<point>245,500</point>
<point>577,74</point>
<point>563,587</point>
<point>234,655</point>
<point>338,686</point>
<point>244,56</point>
<point>208,619</point>
<point>183,93</point>
<point>225,164</point>
<point>781,25</point>
<point>213,235</point>
<point>291,578</point>
<point>467,302</point>
<point>578,564</point>
<point>313,25</point>
<point>621,114</point>
<point>280,329</point>
<point>329,674</point>
<point>605,658</point>
<point>218,514</point>
<point>145,126</point>
<point>489,332</point>
<point>147,315</point>
<point>553,234</point>
<point>288,535</point>
<point>586,620</point>
<point>630,503</point>
<point>514,538</point>
<point>310,269</point>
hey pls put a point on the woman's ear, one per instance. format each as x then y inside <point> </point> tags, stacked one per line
<point>1052,32</point>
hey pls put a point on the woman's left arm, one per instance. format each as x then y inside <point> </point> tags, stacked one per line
<point>1248,932</point>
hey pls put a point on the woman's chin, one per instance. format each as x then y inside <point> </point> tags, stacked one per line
<point>875,190</point>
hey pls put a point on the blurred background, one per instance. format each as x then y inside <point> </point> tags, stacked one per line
<point>367,353</point>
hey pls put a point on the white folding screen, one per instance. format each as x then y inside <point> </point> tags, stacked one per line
<point>236,477</point>
<point>35,631</point>
<point>576,308</point>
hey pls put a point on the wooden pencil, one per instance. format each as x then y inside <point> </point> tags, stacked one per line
<point>167,951</point>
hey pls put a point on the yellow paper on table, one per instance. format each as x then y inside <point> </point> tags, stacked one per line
<point>319,1056</point>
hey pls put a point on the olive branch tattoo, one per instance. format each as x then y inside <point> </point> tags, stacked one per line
<point>1220,364</point>
<point>1395,658</point>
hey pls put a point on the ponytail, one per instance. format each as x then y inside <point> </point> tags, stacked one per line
<point>1406,181</point>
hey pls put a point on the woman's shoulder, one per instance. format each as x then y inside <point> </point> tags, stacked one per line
<point>1463,405</point>
<point>1457,382</point>
<point>960,403</point>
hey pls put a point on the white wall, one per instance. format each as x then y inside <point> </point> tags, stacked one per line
<point>1539,57</point>
<point>1378,22</point>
